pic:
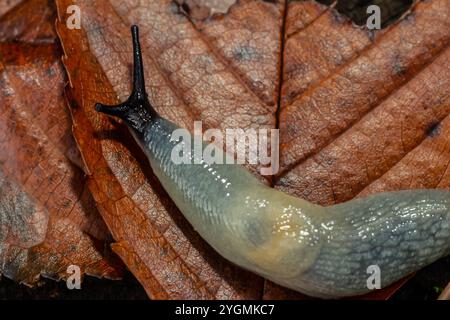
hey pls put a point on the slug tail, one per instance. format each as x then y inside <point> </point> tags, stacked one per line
<point>396,233</point>
<point>136,111</point>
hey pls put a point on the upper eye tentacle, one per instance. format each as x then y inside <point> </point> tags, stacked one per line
<point>136,110</point>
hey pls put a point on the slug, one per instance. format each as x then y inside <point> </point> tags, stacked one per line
<point>320,251</point>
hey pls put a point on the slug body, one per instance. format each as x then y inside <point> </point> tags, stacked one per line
<point>320,251</point>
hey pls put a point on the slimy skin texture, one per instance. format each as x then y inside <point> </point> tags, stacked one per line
<point>320,251</point>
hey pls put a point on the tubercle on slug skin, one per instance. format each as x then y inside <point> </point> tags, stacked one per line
<point>320,251</point>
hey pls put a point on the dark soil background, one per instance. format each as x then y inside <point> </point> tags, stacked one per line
<point>426,285</point>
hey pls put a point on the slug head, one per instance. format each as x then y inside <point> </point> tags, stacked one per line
<point>136,111</point>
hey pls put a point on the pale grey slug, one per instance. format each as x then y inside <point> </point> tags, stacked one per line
<point>319,251</point>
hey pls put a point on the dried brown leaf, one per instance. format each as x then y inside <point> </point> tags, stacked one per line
<point>355,109</point>
<point>28,21</point>
<point>48,218</point>
<point>445,295</point>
